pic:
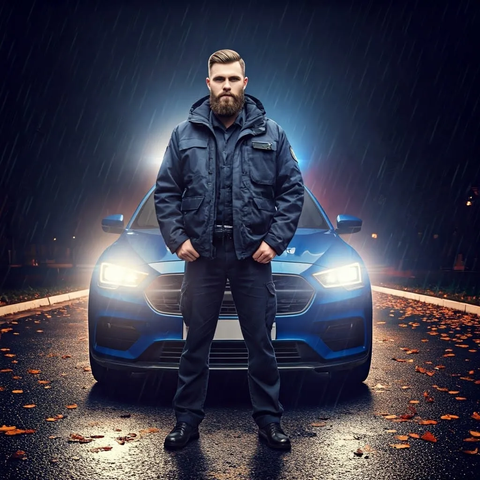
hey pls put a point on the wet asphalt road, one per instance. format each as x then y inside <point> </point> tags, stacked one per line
<point>337,431</point>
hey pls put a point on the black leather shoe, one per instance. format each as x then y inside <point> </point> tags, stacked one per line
<point>274,436</point>
<point>181,435</point>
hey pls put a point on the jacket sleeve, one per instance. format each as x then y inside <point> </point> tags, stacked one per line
<point>289,191</point>
<point>168,196</point>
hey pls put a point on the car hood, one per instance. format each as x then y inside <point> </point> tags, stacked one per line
<point>321,247</point>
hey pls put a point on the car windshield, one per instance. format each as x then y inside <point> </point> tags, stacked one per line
<point>311,217</point>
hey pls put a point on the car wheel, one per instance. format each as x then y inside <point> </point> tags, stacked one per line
<point>105,375</point>
<point>356,375</point>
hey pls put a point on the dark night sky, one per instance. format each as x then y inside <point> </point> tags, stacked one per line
<point>380,100</point>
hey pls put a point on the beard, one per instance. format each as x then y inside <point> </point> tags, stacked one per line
<point>228,107</point>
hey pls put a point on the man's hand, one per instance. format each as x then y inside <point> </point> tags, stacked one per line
<point>264,254</point>
<point>186,252</point>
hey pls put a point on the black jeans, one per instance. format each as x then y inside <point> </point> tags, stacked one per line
<point>253,292</point>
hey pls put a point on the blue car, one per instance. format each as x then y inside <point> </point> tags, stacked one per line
<point>324,313</point>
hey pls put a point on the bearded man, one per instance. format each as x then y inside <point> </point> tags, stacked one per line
<point>228,199</point>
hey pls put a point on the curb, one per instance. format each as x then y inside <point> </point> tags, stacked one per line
<point>442,302</point>
<point>42,302</point>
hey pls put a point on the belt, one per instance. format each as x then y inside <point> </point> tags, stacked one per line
<point>223,231</point>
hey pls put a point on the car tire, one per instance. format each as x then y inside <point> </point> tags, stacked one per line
<point>106,376</point>
<point>356,375</point>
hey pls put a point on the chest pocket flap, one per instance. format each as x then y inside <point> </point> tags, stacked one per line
<point>187,143</point>
<point>191,203</point>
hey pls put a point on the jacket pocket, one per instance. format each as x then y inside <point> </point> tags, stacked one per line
<point>264,204</point>
<point>193,219</point>
<point>191,203</point>
<point>263,167</point>
<point>187,143</point>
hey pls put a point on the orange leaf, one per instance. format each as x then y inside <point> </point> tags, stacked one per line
<point>453,392</point>
<point>449,417</point>
<point>43,382</point>
<point>475,416</point>
<point>6,370</point>
<point>473,433</point>
<point>414,401</point>
<point>319,424</point>
<point>18,455</point>
<point>402,438</point>
<point>389,417</point>
<point>428,437</point>
<point>427,422</point>
<point>33,372</point>
<point>50,419</point>
<point>4,428</point>
<point>470,439</point>
<point>2,389</point>
<point>17,391</point>
<point>99,449</point>
<point>471,452</point>
<point>400,445</point>
<point>29,406</point>
<point>74,405</point>
<point>414,435</point>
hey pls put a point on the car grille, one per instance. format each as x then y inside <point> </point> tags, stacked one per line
<point>229,353</point>
<point>294,294</point>
<point>116,333</point>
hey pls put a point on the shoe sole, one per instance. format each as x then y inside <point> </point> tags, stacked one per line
<point>264,438</point>
<point>176,446</point>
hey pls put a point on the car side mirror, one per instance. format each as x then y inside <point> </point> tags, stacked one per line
<point>348,224</point>
<point>113,224</point>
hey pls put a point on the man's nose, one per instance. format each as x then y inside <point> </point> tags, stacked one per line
<point>227,86</point>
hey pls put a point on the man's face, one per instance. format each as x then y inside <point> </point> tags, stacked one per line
<point>226,84</point>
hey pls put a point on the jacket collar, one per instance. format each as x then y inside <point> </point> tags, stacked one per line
<point>253,110</point>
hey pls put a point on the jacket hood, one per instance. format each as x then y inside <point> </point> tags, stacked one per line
<point>254,110</point>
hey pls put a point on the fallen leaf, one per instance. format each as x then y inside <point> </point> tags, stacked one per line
<point>473,433</point>
<point>453,392</point>
<point>449,417</point>
<point>29,406</point>
<point>389,417</point>
<point>414,435</point>
<point>6,370</point>
<point>460,398</point>
<point>414,401</point>
<point>71,407</point>
<point>319,424</point>
<point>18,455</point>
<point>427,422</point>
<point>17,391</point>
<point>43,382</point>
<point>475,416</point>
<point>34,372</point>
<point>400,445</point>
<point>470,452</point>
<point>4,428</point>
<point>402,438</point>
<point>470,439</point>
<point>99,449</point>
<point>428,437</point>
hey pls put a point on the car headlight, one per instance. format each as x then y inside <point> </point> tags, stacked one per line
<point>346,276</point>
<point>113,276</point>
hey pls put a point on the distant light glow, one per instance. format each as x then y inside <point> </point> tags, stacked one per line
<point>374,235</point>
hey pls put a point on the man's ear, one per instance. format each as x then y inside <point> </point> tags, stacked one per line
<point>207,80</point>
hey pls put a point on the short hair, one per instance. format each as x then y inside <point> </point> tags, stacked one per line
<point>225,56</point>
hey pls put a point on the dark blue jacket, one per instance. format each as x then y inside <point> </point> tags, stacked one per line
<point>267,184</point>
